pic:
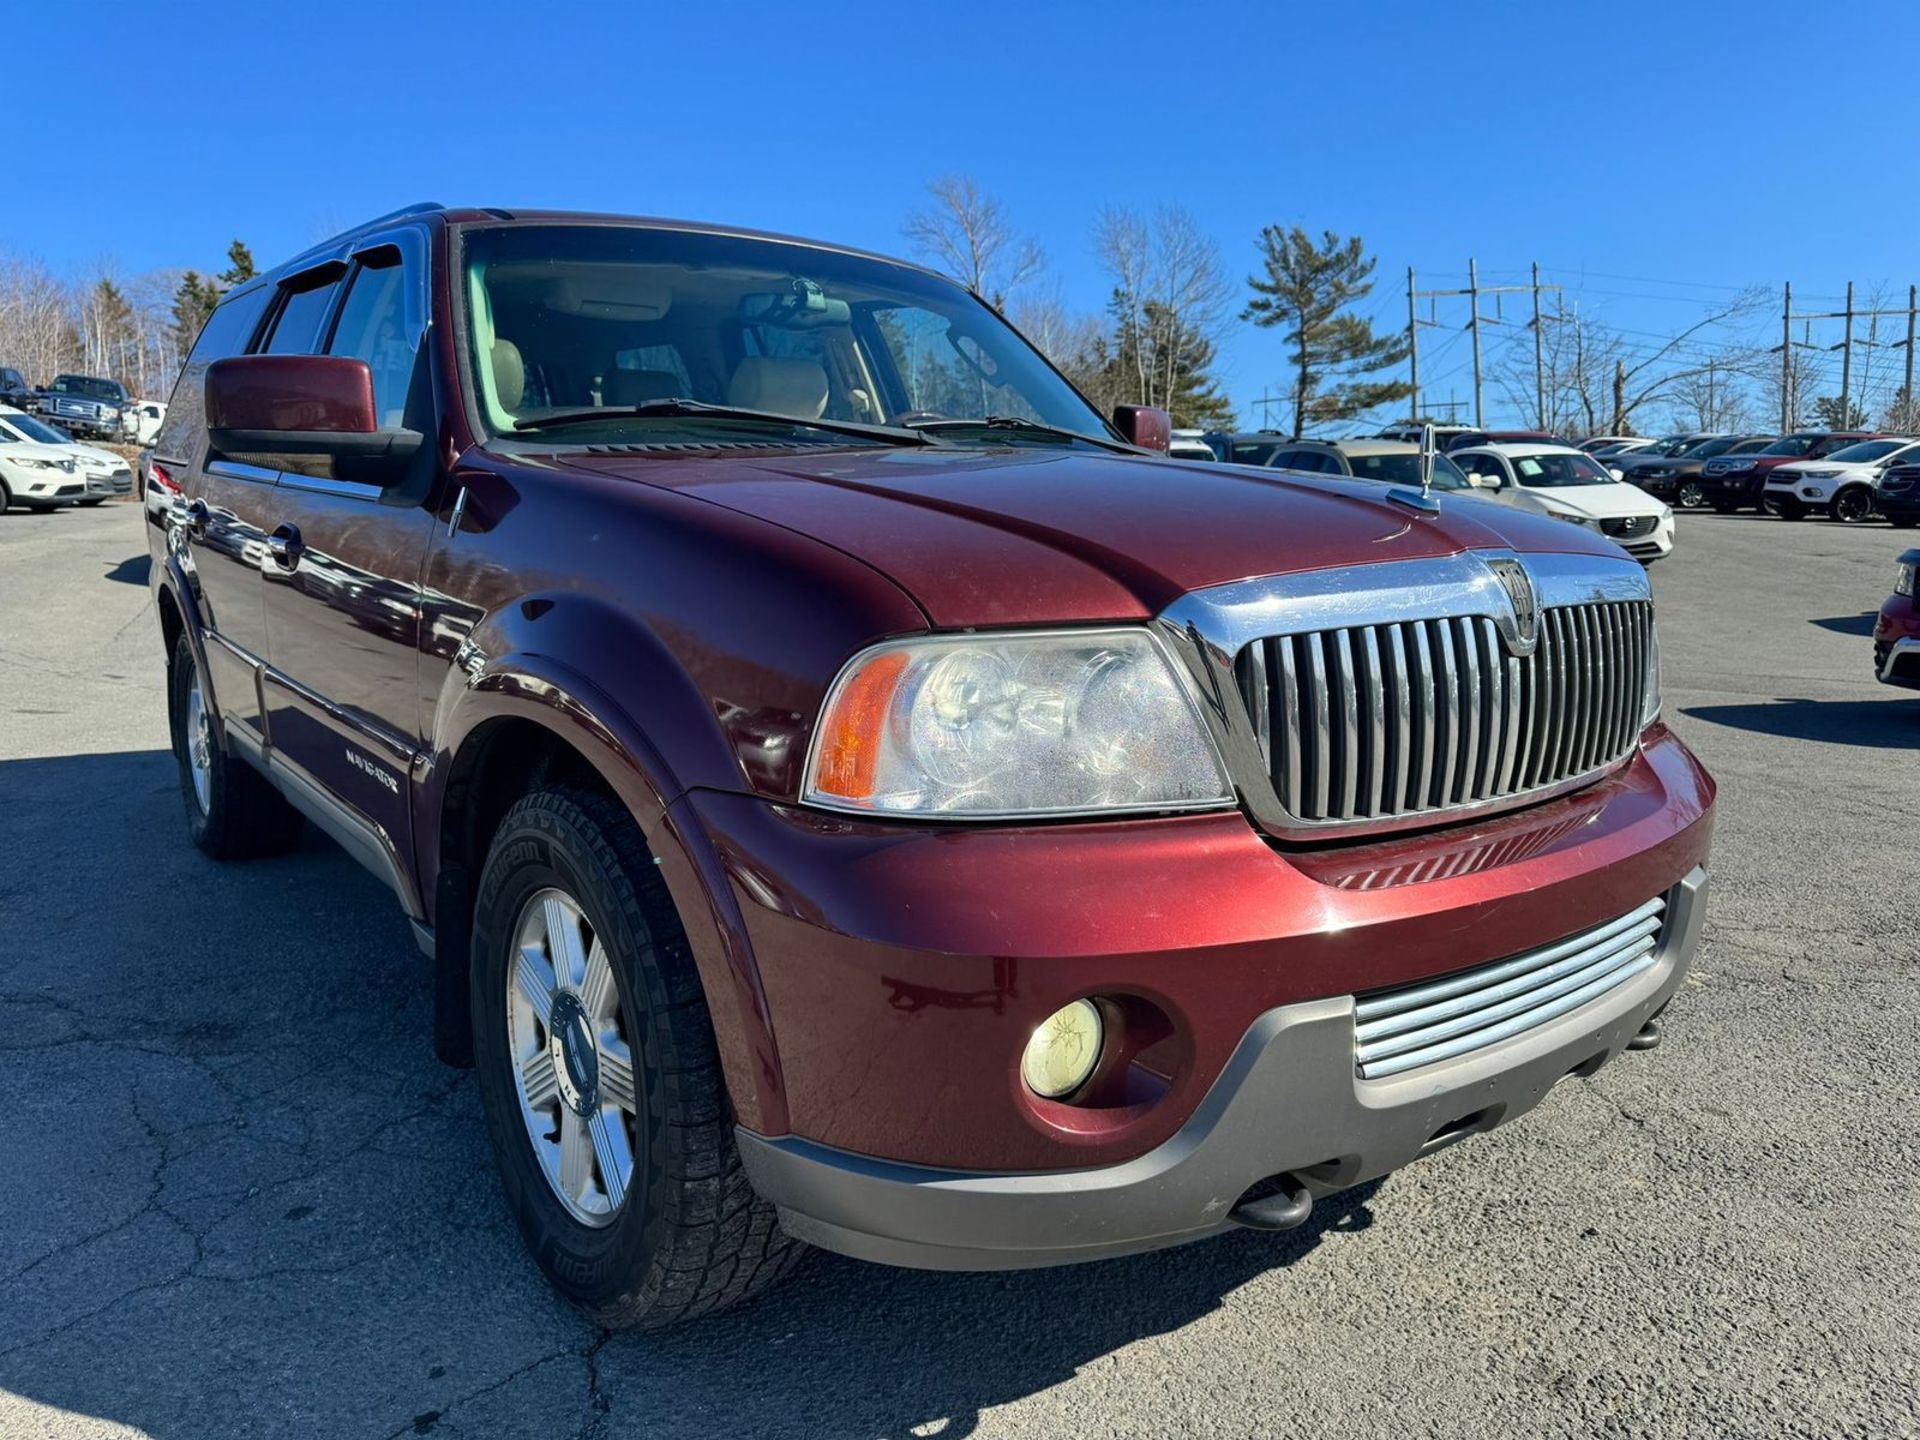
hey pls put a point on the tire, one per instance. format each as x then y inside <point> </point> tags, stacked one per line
<point>1853,505</point>
<point>43,509</point>
<point>96,500</point>
<point>1690,496</point>
<point>6,498</point>
<point>1904,522</point>
<point>233,813</point>
<point>683,1234</point>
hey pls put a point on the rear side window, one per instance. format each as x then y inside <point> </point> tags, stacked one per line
<point>296,330</point>
<point>226,332</point>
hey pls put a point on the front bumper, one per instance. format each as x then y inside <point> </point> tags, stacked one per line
<point>1896,643</point>
<point>1288,1103</point>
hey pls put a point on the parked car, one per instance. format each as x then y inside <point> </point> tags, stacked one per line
<point>839,811</point>
<point>104,472</point>
<point>1388,462</point>
<point>86,405</point>
<point>1667,447</point>
<point>1731,483</point>
<point>1676,479</point>
<point>1471,438</point>
<point>39,477</point>
<point>1842,483</point>
<point>1896,634</point>
<point>1899,497</point>
<point>1613,444</point>
<point>1558,480</point>
<point>143,419</point>
<point>1254,447</point>
<point>1190,445</point>
<point>15,391</point>
<point>1443,435</point>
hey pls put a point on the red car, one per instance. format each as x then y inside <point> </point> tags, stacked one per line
<point>1896,635</point>
<point>854,793</point>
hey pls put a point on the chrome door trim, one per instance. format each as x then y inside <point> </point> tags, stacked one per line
<point>237,470</point>
<point>319,485</point>
<point>1209,628</point>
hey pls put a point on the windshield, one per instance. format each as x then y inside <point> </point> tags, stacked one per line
<point>25,427</point>
<point>1556,471</point>
<point>1707,449</point>
<point>1252,452</point>
<point>568,318</point>
<point>1405,470</point>
<point>1791,445</point>
<point>87,385</point>
<point>1671,445</point>
<point>1867,450</point>
<point>1832,444</point>
<point>1753,444</point>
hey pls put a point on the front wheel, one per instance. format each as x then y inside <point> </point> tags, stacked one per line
<point>600,1076</point>
<point>1853,505</point>
<point>1690,496</point>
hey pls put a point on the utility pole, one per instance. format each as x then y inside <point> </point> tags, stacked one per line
<point>1473,299</point>
<point>1846,366</point>
<point>1413,348</point>
<point>1786,362</point>
<point>1539,357</point>
<point>1912,293</point>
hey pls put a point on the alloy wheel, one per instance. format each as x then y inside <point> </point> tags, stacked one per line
<point>1850,507</point>
<point>572,1057</point>
<point>1690,497</point>
<point>199,743</point>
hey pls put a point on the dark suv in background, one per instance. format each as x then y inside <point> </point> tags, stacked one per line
<point>1676,478</point>
<point>1730,483</point>
<point>853,792</point>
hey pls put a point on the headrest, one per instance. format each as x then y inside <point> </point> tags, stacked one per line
<point>634,387</point>
<point>509,374</point>
<point>788,387</point>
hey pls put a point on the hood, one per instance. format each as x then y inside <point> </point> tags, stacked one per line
<point>1599,502</point>
<point>1014,536</point>
<point>93,458</point>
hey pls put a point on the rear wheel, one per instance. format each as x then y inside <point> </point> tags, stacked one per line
<point>600,1076</point>
<point>1853,505</point>
<point>232,812</point>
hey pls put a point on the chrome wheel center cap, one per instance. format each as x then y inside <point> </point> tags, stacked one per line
<point>576,1060</point>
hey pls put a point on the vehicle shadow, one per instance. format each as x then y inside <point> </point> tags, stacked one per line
<point>133,570</point>
<point>1892,724</point>
<point>275,1213</point>
<point>1861,624</point>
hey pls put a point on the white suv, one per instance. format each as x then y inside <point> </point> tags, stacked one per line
<point>1561,481</point>
<point>1844,483</point>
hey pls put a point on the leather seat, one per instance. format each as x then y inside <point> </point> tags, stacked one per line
<point>787,387</point>
<point>636,387</point>
<point>509,374</point>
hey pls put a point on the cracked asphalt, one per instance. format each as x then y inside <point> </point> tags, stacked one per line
<point>239,1197</point>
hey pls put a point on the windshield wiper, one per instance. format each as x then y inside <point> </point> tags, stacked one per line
<point>1022,426</point>
<point>700,409</point>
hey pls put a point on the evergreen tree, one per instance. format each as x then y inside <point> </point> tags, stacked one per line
<point>240,266</point>
<point>1832,415</point>
<point>1309,291</point>
<point>193,302</point>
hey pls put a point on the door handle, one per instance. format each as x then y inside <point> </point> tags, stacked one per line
<point>284,545</point>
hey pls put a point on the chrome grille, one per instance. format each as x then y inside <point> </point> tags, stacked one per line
<point>1424,716</point>
<point>1403,1029</point>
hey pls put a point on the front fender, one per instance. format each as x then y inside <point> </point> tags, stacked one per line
<point>499,674</point>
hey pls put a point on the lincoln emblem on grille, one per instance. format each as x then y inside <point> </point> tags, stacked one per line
<point>1521,628</point>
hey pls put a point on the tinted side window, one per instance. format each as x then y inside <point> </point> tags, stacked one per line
<point>373,328</point>
<point>296,330</point>
<point>226,332</point>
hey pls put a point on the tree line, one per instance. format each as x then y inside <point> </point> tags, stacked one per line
<point>134,329</point>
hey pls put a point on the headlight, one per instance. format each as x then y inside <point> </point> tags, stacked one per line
<point>1650,711</point>
<point>1666,513</point>
<point>1818,474</point>
<point>1903,579</point>
<point>30,463</point>
<point>1061,1053</point>
<point>1573,519</point>
<point>1740,465</point>
<point>992,726</point>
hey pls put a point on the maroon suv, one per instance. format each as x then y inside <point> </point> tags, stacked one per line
<point>853,793</point>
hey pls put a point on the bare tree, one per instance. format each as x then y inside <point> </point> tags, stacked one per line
<point>1653,376</point>
<point>966,232</point>
<point>1713,398</point>
<point>37,331</point>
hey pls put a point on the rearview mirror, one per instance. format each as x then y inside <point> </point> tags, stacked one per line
<point>1147,426</point>
<point>304,405</point>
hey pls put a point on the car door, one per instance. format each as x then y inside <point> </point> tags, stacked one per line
<point>343,578</point>
<point>217,524</point>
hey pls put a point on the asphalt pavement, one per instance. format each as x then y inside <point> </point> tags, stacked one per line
<point>239,1197</point>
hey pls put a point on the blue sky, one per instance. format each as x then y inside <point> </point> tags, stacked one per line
<point>1653,158</point>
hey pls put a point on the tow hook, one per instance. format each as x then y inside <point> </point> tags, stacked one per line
<point>1648,1038</point>
<point>1285,1208</point>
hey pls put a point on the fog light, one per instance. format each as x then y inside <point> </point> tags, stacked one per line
<point>1063,1050</point>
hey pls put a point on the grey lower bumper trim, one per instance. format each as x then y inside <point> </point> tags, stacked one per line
<point>1288,1100</point>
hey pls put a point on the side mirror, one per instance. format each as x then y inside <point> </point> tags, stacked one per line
<point>1616,474</point>
<point>304,405</point>
<point>1147,426</point>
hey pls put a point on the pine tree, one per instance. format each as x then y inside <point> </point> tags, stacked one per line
<point>193,302</point>
<point>1832,415</point>
<point>1309,290</point>
<point>240,266</point>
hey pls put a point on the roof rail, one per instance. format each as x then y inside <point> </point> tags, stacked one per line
<point>419,207</point>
